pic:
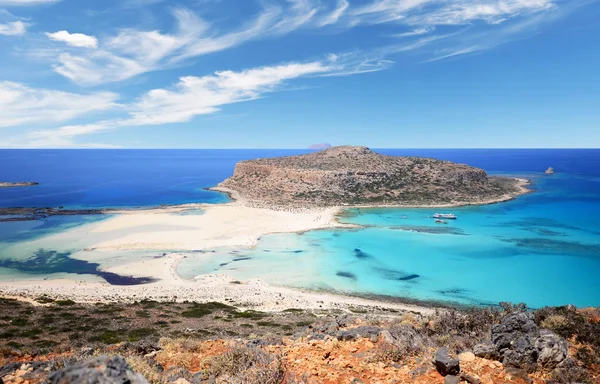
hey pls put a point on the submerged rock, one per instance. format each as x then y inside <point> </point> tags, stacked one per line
<point>102,369</point>
<point>549,171</point>
<point>445,364</point>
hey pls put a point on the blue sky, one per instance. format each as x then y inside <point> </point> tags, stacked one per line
<point>291,73</point>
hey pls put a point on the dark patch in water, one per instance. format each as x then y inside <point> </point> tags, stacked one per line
<point>347,275</point>
<point>223,264</point>
<point>409,277</point>
<point>335,235</point>
<point>393,274</point>
<point>298,251</point>
<point>545,232</point>
<point>46,262</point>
<point>440,230</point>
<point>361,255</point>
<point>241,259</point>
<point>452,291</point>
<point>551,246</point>
<point>530,222</point>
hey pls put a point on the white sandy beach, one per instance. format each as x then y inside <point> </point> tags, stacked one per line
<point>224,225</point>
<point>168,230</point>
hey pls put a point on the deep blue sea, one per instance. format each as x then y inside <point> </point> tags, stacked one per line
<point>542,248</point>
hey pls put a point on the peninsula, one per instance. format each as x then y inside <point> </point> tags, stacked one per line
<point>358,176</point>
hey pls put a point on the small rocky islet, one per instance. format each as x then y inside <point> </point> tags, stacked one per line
<point>355,176</point>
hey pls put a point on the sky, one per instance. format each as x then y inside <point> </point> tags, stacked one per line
<point>291,73</point>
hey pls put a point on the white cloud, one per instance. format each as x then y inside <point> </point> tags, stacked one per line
<point>336,14</point>
<point>132,52</point>
<point>21,105</point>
<point>8,3</point>
<point>15,28</point>
<point>74,39</point>
<point>192,96</point>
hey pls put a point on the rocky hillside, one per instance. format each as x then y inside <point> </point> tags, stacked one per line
<point>59,341</point>
<point>358,176</point>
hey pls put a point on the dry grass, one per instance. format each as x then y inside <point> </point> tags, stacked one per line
<point>140,365</point>
<point>244,365</point>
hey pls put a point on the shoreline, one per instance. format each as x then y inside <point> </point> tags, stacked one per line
<point>521,185</point>
<point>232,224</point>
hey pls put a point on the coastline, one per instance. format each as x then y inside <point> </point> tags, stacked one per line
<point>521,185</point>
<point>234,224</point>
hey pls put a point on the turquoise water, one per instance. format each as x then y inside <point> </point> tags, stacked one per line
<point>541,249</point>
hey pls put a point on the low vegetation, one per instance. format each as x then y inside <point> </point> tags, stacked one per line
<point>214,342</point>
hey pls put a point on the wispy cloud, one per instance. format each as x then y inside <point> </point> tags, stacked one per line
<point>195,96</point>
<point>8,3</point>
<point>132,52</point>
<point>15,28</point>
<point>20,104</point>
<point>74,39</point>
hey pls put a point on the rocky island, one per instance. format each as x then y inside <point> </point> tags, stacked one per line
<point>18,184</point>
<point>358,176</point>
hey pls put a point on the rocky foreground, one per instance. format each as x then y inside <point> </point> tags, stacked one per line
<point>358,176</point>
<point>60,341</point>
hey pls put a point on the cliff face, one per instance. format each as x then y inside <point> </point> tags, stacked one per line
<point>357,175</point>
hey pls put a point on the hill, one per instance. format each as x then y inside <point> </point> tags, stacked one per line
<point>351,175</point>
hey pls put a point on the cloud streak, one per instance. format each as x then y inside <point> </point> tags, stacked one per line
<point>20,104</point>
<point>15,3</point>
<point>132,52</point>
<point>15,28</point>
<point>196,96</point>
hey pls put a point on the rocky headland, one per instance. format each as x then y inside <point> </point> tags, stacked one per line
<point>358,176</point>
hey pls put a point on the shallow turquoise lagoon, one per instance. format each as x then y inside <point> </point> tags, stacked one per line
<point>541,249</point>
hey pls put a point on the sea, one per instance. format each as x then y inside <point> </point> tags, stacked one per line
<point>540,249</point>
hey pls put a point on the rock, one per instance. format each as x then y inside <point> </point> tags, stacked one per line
<point>344,321</point>
<point>552,349</point>
<point>328,328</point>
<point>486,351</point>
<point>522,354</point>
<point>386,337</point>
<point>451,379</point>
<point>549,171</point>
<point>514,340</point>
<point>371,333</point>
<point>466,357</point>
<point>9,369</point>
<point>445,364</point>
<point>181,380</point>
<point>102,369</point>
<point>470,378</point>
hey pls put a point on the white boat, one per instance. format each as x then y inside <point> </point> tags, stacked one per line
<point>451,216</point>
